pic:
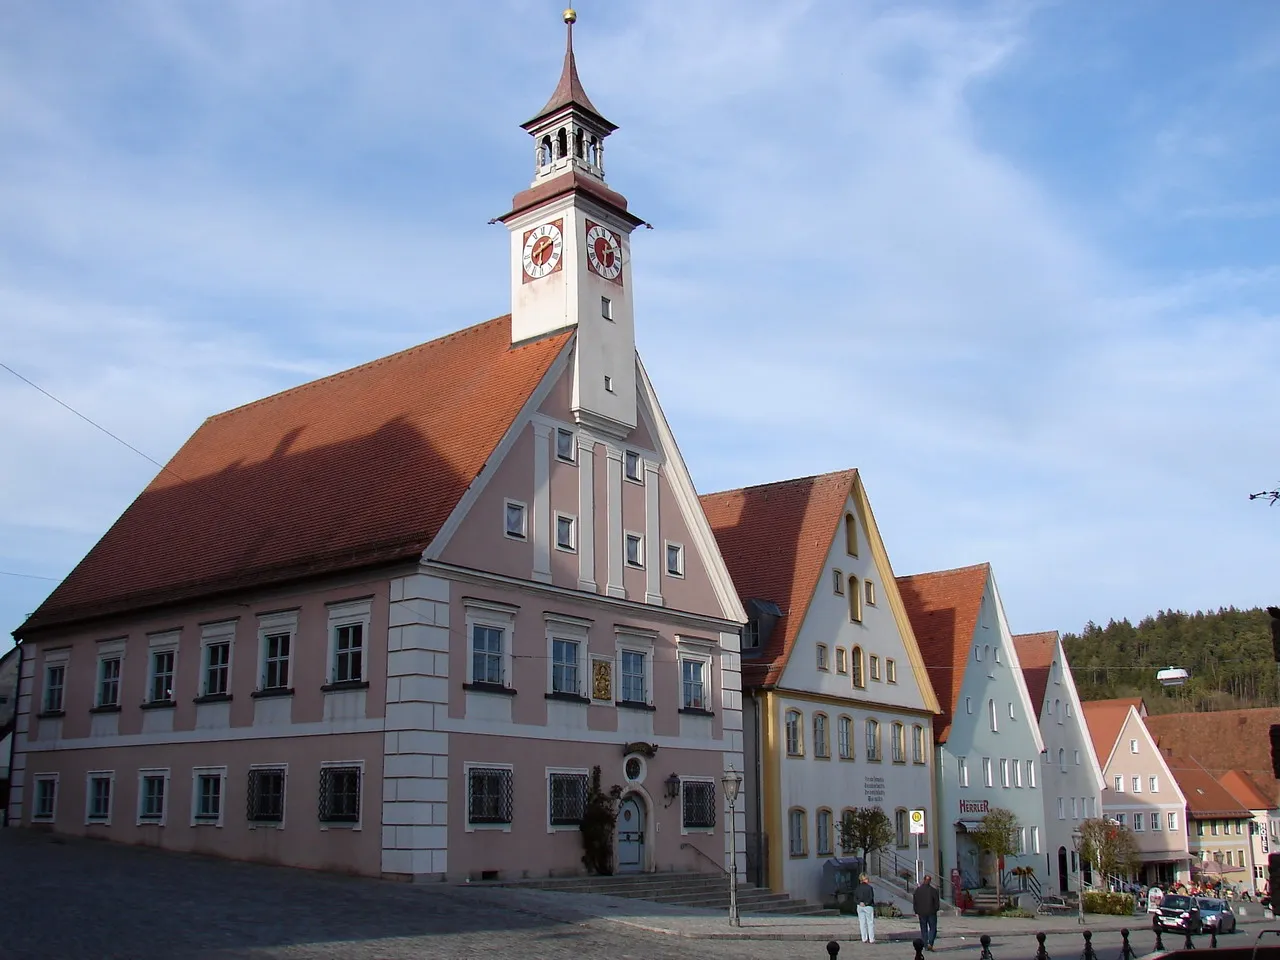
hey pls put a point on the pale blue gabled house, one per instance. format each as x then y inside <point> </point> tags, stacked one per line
<point>988,742</point>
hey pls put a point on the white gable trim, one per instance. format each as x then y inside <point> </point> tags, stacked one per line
<point>1145,734</point>
<point>1073,695</point>
<point>686,498</point>
<point>1015,665</point>
<point>526,415</point>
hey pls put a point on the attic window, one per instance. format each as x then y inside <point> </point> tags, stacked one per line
<point>837,582</point>
<point>514,520</point>
<point>606,308</point>
<point>608,384</point>
<point>869,589</point>
<point>751,635</point>
<point>631,467</point>
<point>564,445</point>
<point>850,535</point>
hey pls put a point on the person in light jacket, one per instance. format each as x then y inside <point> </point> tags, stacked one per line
<point>927,903</point>
<point>864,895</point>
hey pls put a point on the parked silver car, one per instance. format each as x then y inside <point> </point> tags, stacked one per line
<point>1216,915</point>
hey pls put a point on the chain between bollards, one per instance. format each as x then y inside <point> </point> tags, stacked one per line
<point>985,940</point>
<point>1155,925</point>
<point>1126,950</point>
<point>1088,953</point>
<point>1041,952</point>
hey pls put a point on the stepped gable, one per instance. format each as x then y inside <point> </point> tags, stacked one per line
<point>775,539</point>
<point>355,469</point>
<point>1035,653</point>
<point>944,607</point>
<point>1220,741</point>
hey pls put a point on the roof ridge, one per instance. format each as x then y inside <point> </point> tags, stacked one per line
<point>1036,633</point>
<point>938,573</point>
<point>358,368</point>
<point>850,471</point>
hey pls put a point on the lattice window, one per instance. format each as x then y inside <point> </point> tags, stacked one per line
<point>490,796</point>
<point>568,798</point>
<point>340,794</point>
<point>265,800</point>
<point>699,804</point>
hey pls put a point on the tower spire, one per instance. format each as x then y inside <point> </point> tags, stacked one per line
<point>569,91</point>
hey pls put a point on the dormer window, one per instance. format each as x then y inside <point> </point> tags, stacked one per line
<point>751,635</point>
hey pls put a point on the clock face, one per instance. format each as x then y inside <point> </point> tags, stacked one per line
<point>543,247</point>
<point>604,252</point>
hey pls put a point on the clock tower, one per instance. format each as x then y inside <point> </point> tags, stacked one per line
<point>571,254</point>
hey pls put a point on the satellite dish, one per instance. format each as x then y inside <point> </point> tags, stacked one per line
<point>1172,676</point>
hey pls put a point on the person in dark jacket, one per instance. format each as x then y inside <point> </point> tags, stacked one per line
<point>864,895</point>
<point>927,903</point>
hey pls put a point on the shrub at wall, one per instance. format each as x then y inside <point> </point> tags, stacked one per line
<point>1118,904</point>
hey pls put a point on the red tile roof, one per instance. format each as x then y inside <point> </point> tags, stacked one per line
<point>775,539</point>
<point>1035,654</point>
<point>1105,719</point>
<point>1205,796</point>
<point>944,607</point>
<point>1248,791</point>
<point>359,468</point>
<point>1220,741</point>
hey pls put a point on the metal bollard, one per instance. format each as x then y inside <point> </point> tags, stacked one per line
<point>919,945</point>
<point>1213,938</point>
<point>1088,953</point>
<point>1188,945</point>
<point>832,949</point>
<point>1126,949</point>
<point>1155,925</point>
<point>985,940</point>
<point>1041,952</point>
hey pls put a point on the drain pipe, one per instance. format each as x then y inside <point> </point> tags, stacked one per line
<point>761,859</point>
<point>13,736</point>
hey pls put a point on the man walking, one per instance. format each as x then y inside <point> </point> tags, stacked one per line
<point>864,895</point>
<point>927,903</point>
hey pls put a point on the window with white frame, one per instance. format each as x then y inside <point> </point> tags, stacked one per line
<point>873,740</point>
<point>917,743</point>
<point>215,656</point>
<point>1139,823</point>
<point>490,795</point>
<point>45,806</point>
<point>515,520</point>
<point>489,628</point>
<point>1153,784</point>
<point>566,532</point>
<point>821,737</point>
<point>794,724</point>
<point>55,682</point>
<point>340,793</point>
<point>1015,767</point>
<point>698,804</point>
<point>1121,819</point>
<point>857,668</point>
<point>207,795</point>
<point>844,737</point>
<point>875,667</point>
<point>633,467</point>
<point>822,826</point>
<point>796,830</point>
<point>99,788</point>
<point>1062,760</point>
<point>1075,809</point>
<point>1118,784</point>
<point>110,663</point>
<point>564,445</point>
<point>869,592</point>
<point>634,673</point>
<point>1173,821</point>
<point>890,670</point>
<point>1075,757</point>
<point>675,559</point>
<point>1004,772</point>
<point>153,786</point>
<point>962,770</point>
<point>1155,821</point>
<point>1133,746</point>
<point>694,671</point>
<point>837,582</point>
<point>1062,808</point>
<point>635,550</point>
<point>968,704</point>
<point>606,308</point>
<point>1012,715</point>
<point>898,736</point>
<point>160,679</point>
<point>1035,839</point>
<point>275,647</point>
<point>566,797</point>
<point>265,794</point>
<point>564,666</point>
<point>823,663</point>
<point>1031,773</point>
<point>842,660</point>
<point>987,778</point>
<point>850,535</point>
<point>348,628</point>
<point>991,715</point>
<point>855,600</point>
<point>1137,784</point>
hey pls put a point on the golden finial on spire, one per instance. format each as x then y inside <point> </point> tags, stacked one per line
<point>570,15</point>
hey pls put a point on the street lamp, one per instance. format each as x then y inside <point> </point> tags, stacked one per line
<point>732,784</point>
<point>1077,840</point>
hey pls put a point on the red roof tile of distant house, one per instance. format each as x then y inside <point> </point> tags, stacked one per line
<point>1205,796</point>
<point>1035,653</point>
<point>774,539</point>
<point>1220,741</point>
<point>352,470</point>
<point>1248,791</point>
<point>943,607</point>
<point>1105,719</point>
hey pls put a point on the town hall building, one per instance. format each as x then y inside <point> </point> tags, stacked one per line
<point>391,622</point>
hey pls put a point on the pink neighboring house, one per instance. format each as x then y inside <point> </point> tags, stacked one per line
<point>390,621</point>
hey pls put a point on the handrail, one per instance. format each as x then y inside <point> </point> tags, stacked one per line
<point>690,846</point>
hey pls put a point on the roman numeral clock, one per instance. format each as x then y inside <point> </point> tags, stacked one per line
<point>543,249</point>
<point>604,252</point>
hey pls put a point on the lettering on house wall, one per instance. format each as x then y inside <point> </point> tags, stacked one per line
<point>873,789</point>
<point>974,806</point>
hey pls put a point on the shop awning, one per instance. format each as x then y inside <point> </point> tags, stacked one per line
<point>969,826</point>
<point>1163,856</point>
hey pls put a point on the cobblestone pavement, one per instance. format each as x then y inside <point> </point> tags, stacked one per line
<point>85,900</point>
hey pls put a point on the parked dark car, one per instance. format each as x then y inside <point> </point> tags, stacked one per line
<point>1179,912</point>
<point>1217,915</point>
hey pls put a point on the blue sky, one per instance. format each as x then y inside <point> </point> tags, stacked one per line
<point>1018,262</point>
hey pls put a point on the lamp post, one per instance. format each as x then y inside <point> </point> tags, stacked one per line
<point>1077,839</point>
<point>732,784</point>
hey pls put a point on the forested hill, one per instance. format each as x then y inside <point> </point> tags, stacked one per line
<point>1228,654</point>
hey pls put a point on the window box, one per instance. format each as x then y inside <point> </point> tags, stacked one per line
<point>344,685</point>
<point>213,698</point>
<point>489,688</point>
<point>158,705</point>
<point>568,697</point>
<point>272,692</point>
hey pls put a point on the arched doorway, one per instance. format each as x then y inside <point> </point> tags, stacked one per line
<point>631,834</point>
<point>1062,870</point>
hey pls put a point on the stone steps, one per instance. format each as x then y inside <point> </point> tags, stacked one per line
<point>705,891</point>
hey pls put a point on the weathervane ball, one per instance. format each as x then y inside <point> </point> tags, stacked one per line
<point>570,15</point>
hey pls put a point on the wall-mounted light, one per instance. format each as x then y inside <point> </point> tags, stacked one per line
<point>672,784</point>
